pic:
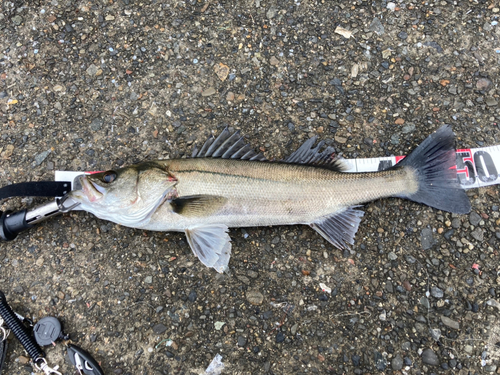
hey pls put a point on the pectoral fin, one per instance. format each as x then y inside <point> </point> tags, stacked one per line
<point>197,205</point>
<point>211,244</point>
<point>340,228</point>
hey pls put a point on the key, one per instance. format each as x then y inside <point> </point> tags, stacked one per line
<point>83,361</point>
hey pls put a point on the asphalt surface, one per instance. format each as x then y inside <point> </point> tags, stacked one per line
<point>96,85</point>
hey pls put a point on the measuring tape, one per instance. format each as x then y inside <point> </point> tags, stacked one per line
<point>476,167</point>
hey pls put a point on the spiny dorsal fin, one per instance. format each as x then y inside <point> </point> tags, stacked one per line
<point>227,146</point>
<point>233,146</point>
<point>307,154</point>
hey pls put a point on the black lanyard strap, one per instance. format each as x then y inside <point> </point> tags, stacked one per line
<point>36,189</point>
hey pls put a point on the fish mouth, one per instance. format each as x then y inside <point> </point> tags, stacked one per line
<point>92,191</point>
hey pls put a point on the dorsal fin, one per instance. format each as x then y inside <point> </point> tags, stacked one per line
<point>233,146</point>
<point>307,154</point>
<point>227,146</point>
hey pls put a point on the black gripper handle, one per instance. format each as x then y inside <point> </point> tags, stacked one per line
<point>11,224</point>
<point>19,330</point>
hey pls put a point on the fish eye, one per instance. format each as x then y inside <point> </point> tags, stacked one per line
<point>108,177</point>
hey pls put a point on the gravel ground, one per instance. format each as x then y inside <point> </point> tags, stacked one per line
<point>95,85</point>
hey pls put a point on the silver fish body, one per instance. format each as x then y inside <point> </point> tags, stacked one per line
<point>263,194</point>
<point>227,185</point>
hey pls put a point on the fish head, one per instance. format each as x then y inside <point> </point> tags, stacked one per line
<point>127,196</point>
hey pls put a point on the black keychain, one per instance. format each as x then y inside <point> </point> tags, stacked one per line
<point>46,332</point>
<point>83,361</point>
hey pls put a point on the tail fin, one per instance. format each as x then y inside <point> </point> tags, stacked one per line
<point>434,161</point>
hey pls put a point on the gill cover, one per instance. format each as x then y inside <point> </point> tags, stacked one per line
<point>128,196</point>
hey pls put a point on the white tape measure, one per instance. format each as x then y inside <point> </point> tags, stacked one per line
<point>476,167</point>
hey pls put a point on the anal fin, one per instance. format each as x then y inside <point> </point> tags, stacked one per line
<point>339,228</point>
<point>211,244</point>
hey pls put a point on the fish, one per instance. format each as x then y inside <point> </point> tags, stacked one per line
<point>226,184</point>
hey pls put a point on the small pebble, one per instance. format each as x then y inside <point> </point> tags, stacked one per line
<point>242,341</point>
<point>429,357</point>
<point>255,297</point>
<point>159,329</point>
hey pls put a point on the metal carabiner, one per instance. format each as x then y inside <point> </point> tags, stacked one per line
<point>45,367</point>
<point>5,332</point>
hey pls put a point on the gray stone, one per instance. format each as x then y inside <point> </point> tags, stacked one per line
<point>159,329</point>
<point>377,27</point>
<point>18,289</point>
<point>450,322</point>
<point>148,279</point>
<point>421,328</point>
<point>271,13</point>
<point>425,302</point>
<point>17,20</point>
<point>96,124</point>
<point>430,358</point>
<point>41,157</point>
<point>389,287</point>
<point>255,297</point>
<point>427,239</point>
<point>92,70</point>
<point>192,296</point>
<point>434,45</point>
<point>477,234</point>
<point>491,102</point>
<point>242,341</point>
<point>455,223</point>
<point>436,292</point>
<point>340,139</point>
<point>474,218</point>
<point>397,363</point>
<point>403,35</point>
<point>252,274</point>
<point>435,333</point>
<point>209,91</point>
<point>483,84</point>
<point>243,279</point>
<point>408,128</point>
